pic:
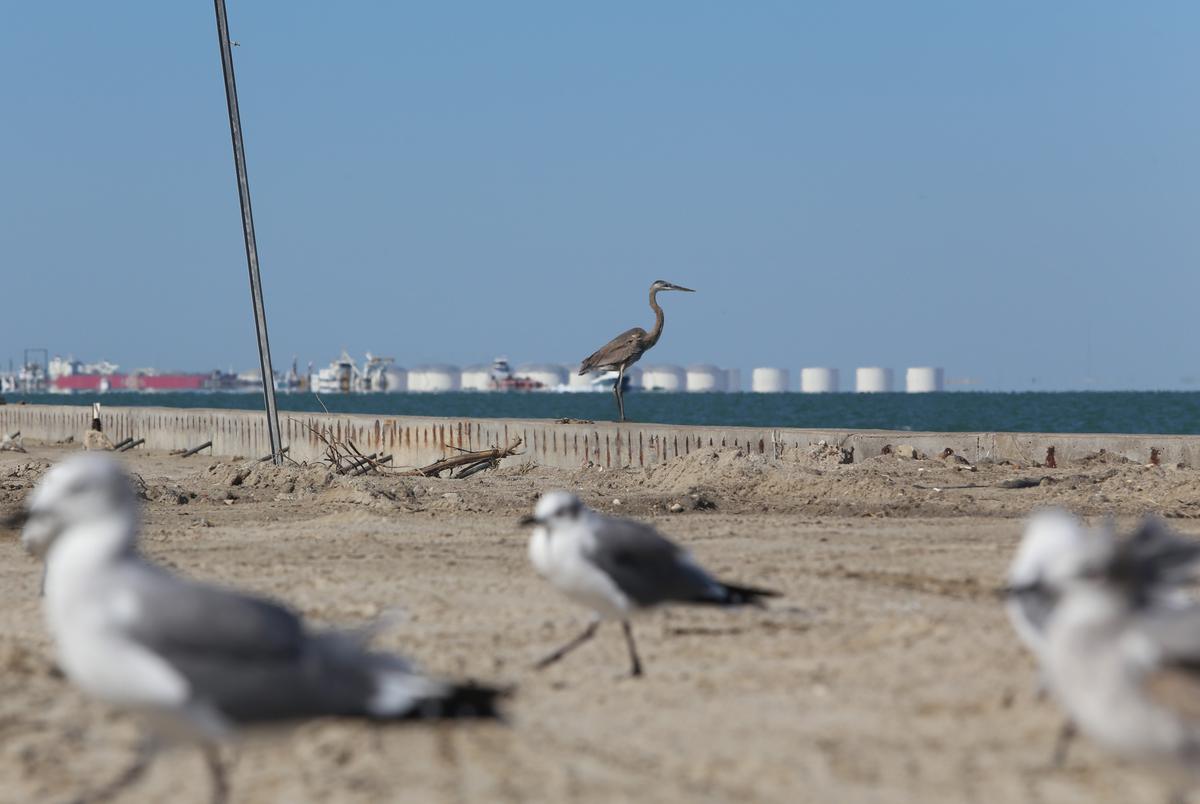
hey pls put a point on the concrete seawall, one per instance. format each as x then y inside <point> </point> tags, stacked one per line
<point>417,441</point>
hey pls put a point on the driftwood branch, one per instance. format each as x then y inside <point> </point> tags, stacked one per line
<point>472,461</point>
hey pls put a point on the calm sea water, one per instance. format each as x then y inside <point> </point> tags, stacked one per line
<point>1065,412</point>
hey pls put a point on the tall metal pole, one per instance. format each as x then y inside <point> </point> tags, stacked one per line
<point>256,294</point>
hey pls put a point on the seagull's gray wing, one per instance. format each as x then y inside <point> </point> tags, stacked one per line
<point>247,657</point>
<point>179,617</point>
<point>252,659</point>
<point>649,568</point>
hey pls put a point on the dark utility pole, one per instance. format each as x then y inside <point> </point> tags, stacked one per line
<point>256,294</point>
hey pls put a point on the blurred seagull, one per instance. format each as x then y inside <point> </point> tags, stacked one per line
<point>1124,663</point>
<point>1054,538</point>
<point>197,659</point>
<point>617,568</point>
<point>1051,536</point>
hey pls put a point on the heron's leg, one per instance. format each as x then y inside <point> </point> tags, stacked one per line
<point>1066,733</point>
<point>620,393</point>
<point>587,634</point>
<point>636,668</point>
<point>220,785</point>
<point>141,763</point>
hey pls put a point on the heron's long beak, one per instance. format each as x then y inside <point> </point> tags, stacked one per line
<point>681,287</point>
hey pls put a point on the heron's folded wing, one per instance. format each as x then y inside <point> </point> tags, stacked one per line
<point>618,350</point>
<point>646,566</point>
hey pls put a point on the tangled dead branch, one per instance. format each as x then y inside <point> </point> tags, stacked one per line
<point>344,457</point>
<point>471,462</point>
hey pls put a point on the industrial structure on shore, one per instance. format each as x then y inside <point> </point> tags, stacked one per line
<point>383,375</point>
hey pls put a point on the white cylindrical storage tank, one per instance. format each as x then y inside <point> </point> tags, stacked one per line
<point>924,379</point>
<point>705,378</point>
<point>872,380</point>
<point>819,380</point>
<point>663,378</point>
<point>434,379</point>
<point>476,378</point>
<point>393,380</point>
<point>766,380</point>
<point>733,380</point>
<point>547,375</point>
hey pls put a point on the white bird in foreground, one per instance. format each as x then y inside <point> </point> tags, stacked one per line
<point>1054,538</point>
<point>617,568</point>
<point>1049,537</point>
<point>197,659</point>
<point>1123,662</point>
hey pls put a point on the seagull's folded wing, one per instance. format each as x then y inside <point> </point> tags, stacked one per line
<point>176,617</point>
<point>647,567</point>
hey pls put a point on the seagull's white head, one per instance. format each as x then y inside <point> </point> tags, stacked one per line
<point>1054,548</point>
<point>556,508</point>
<point>91,488</point>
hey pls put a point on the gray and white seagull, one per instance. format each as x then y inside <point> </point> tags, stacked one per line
<point>1122,654</point>
<point>618,568</point>
<point>1054,538</point>
<point>198,660</point>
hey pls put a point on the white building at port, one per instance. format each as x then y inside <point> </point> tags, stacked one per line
<point>767,380</point>
<point>664,378</point>
<point>706,378</point>
<point>817,380</point>
<point>924,379</point>
<point>476,378</point>
<point>547,375</point>
<point>873,380</point>
<point>434,379</point>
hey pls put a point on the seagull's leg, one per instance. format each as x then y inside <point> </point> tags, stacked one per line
<point>636,669</point>
<point>1066,733</point>
<point>587,634</point>
<point>145,756</point>
<point>220,785</point>
<point>620,394</point>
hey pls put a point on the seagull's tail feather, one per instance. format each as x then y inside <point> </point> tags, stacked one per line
<point>402,694</point>
<point>734,595</point>
<point>469,701</point>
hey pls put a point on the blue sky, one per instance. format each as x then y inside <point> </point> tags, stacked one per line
<point>991,188</point>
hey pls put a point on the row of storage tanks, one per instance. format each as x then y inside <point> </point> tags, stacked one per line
<point>869,379</point>
<point>700,378</point>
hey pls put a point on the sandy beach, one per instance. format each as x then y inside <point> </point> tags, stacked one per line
<point>886,673</point>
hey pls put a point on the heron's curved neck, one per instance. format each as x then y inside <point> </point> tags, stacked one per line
<point>654,334</point>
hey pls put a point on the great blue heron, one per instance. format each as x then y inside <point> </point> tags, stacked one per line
<point>627,348</point>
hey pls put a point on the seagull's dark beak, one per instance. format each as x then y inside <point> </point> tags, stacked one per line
<point>16,520</point>
<point>526,521</point>
<point>1015,590</point>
